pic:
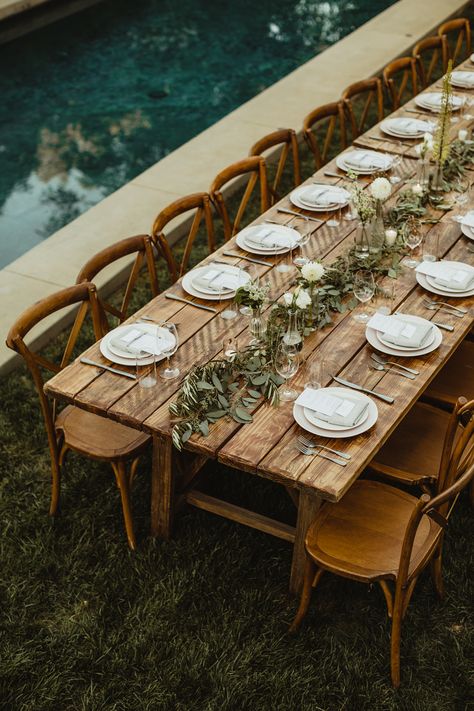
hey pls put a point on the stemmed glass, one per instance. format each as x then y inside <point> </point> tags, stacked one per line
<point>413,238</point>
<point>364,289</point>
<point>461,192</point>
<point>150,379</point>
<point>396,163</point>
<point>170,347</point>
<point>287,361</point>
<point>305,234</point>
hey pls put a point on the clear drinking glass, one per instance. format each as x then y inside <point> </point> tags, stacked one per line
<point>305,232</point>
<point>287,362</point>
<point>170,347</point>
<point>431,246</point>
<point>364,289</point>
<point>335,219</point>
<point>396,163</point>
<point>148,379</point>
<point>230,347</point>
<point>319,372</point>
<point>413,238</point>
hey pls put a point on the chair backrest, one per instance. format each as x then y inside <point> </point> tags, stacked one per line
<point>253,167</point>
<point>320,130</point>
<point>201,204</point>
<point>458,32</point>
<point>363,102</point>
<point>142,247</point>
<point>404,69</point>
<point>85,295</point>
<point>431,54</point>
<point>286,139</point>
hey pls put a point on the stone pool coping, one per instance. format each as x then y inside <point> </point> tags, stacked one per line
<point>55,262</point>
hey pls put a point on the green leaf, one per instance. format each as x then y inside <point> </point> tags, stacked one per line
<point>186,435</point>
<point>204,427</point>
<point>216,413</point>
<point>254,393</point>
<point>203,385</point>
<point>223,400</point>
<point>217,383</point>
<point>392,273</point>
<point>259,379</point>
<point>243,414</point>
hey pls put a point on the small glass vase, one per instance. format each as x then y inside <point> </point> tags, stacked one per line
<point>293,335</point>
<point>423,172</point>
<point>361,240</point>
<point>257,326</point>
<point>437,180</point>
<point>312,312</point>
<point>377,236</point>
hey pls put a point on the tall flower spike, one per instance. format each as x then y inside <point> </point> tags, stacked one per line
<point>441,141</point>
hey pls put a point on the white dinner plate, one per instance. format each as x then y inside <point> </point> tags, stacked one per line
<point>282,229</point>
<point>389,126</point>
<point>297,199</point>
<point>341,163</point>
<point>121,360</point>
<point>456,292</point>
<point>423,281</point>
<point>468,231</point>
<point>423,101</point>
<point>311,416</point>
<point>301,419</point>
<point>372,337</point>
<point>144,328</point>
<point>406,349</point>
<point>461,79</point>
<point>213,296</point>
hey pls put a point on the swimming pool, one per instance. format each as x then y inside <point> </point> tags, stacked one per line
<point>93,100</point>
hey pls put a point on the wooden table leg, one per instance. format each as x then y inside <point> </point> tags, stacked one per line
<point>307,509</point>
<point>162,488</point>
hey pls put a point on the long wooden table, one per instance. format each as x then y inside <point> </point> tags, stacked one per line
<point>266,447</point>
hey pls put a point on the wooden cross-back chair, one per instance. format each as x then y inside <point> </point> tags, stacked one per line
<point>461,29</point>
<point>431,56</point>
<point>360,99</point>
<point>398,76</point>
<point>201,203</point>
<point>320,131</point>
<point>74,429</point>
<point>379,533</point>
<point>286,139</point>
<point>142,247</point>
<point>255,169</point>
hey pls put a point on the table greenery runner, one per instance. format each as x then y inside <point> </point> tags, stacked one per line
<point>233,387</point>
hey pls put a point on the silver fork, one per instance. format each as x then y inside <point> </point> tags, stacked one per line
<point>431,302</point>
<point>384,361</point>
<point>316,453</point>
<point>309,443</point>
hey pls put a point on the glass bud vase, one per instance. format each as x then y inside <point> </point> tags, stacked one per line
<point>257,325</point>
<point>293,335</point>
<point>377,236</point>
<point>423,172</point>
<point>437,182</point>
<point>361,240</point>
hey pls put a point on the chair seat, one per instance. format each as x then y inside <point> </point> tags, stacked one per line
<point>98,437</point>
<point>361,536</point>
<point>413,452</point>
<point>456,378</point>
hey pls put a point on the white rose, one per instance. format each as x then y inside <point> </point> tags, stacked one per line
<point>288,298</point>
<point>303,299</point>
<point>380,189</point>
<point>417,189</point>
<point>312,271</point>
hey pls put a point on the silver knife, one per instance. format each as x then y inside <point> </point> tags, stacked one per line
<point>248,259</point>
<point>348,384</point>
<point>445,326</point>
<point>87,361</point>
<point>298,214</point>
<point>332,174</point>
<point>174,297</point>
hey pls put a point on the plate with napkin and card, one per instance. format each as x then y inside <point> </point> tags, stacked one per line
<point>215,281</point>
<point>142,342</point>
<point>446,278</point>
<point>433,101</point>
<point>462,79</point>
<point>334,412</point>
<point>467,223</point>
<point>364,162</point>
<point>403,127</point>
<point>320,197</point>
<point>403,334</point>
<point>268,238</point>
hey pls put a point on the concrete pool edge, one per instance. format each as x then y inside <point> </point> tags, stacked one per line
<point>55,262</point>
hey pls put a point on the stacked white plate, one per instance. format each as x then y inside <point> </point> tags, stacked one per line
<point>320,197</point>
<point>268,238</point>
<point>364,162</point>
<point>125,356</point>
<point>403,127</point>
<point>467,224</point>
<point>222,281</point>
<point>428,272</point>
<point>308,419</point>
<point>377,339</point>
<point>464,80</point>
<point>432,101</point>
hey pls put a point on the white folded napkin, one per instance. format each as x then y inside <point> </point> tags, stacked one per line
<point>268,237</point>
<point>322,195</point>
<point>135,340</point>
<point>366,160</point>
<point>220,278</point>
<point>345,411</point>
<point>465,78</point>
<point>434,100</point>
<point>400,331</point>
<point>410,126</point>
<point>459,277</point>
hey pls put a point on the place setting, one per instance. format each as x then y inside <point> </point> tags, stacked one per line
<point>446,278</point>
<point>462,79</point>
<point>402,127</point>
<point>320,197</point>
<point>268,238</point>
<point>364,162</point>
<point>433,101</point>
<point>467,224</point>
<point>215,281</point>
<point>403,335</point>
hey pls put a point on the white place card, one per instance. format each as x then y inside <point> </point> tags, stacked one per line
<point>323,403</point>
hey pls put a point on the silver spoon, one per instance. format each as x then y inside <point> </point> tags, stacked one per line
<point>378,366</point>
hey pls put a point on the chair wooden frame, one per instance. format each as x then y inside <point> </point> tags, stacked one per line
<point>407,67</point>
<point>333,111</point>
<point>285,138</point>
<point>462,26</point>
<point>438,47</point>
<point>201,202</point>
<point>422,527</point>
<point>142,247</point>
<point>85,296</point>
<point>373,89</point>
<point>255,167</point>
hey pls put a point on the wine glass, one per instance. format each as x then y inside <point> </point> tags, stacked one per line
<point>413,238</point>
<point>461,191</point>
<point>287,361</point>
<point>396,163</point>
<point>305,234</point>
<point>168,349</point>
<point>364,289</point>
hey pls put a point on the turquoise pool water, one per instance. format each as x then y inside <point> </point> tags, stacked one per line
<point>93,100</point>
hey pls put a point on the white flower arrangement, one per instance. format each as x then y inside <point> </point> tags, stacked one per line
<point>425,148</point>
<point>252,294</point>
<point>298,299</point>
<point>380,189</point>
<point>312,272</point>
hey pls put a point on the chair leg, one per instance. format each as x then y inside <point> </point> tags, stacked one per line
<point>436,572</point>
<point>471,493</point>
<point>120,472</point>
<point>133,471</point>
<point>55,490</point>
<point>388,597</point>
<point>309,577</point>
<point>395,639</point>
